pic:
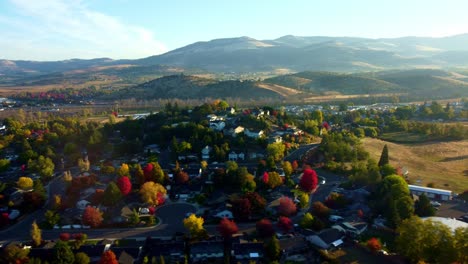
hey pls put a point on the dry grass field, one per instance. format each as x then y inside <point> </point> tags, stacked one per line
<point>443,163</point>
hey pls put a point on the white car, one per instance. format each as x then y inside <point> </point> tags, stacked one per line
<point>435,204</point>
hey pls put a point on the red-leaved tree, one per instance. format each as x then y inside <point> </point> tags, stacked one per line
<point>227,228</point>
<point>108,257</point>
<point>285,223</point>
<point>308,180</point>
<point>92,217</point>
<point>125,185</point>
<point>265,177</point>
<point>374,244</point>
<point>294,165</point>
<point>286,207</point>
<point>242,208</point>
<point>64,236</point>
<point>257,201</point>
<point>264,228</point>
<point>320,210</point>
<point>181,177</point>
<point>148,171</point>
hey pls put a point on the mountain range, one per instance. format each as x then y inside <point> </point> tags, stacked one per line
<point>285,54</point>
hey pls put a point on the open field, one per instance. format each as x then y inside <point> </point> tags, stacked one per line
<point>443,163</point>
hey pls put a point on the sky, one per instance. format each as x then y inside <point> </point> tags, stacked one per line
<point>131,29</point>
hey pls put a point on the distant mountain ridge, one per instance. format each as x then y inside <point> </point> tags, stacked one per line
<point>294,53</point>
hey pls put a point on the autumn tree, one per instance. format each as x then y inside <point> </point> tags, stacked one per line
<point>285,224</point>
<point>56,202</point>
<point>36,234</point>
<point>272,249</point>
<point>287,168</point>
<point>25,183</point>
<point>276,151</point>
<point>80,239</point>
<point>108,257</point>
<point>303,199</point>
<point>64,236</point>
<point>139,174</point>
<point>112,195</point>
<point>242,208</point>
<point>124,170</point>
<point>373,244</point>
<point>257,202</point>
<point>320,209</point>
<point>307,221</point>
<point>286,207</point>
<point>423,206</point>
<point>84,165</point>
<point>274,180</point>
<point>384,160</point>
<point>294,165</point>
<point>227,228</point>
<point>264,228</point>
<point>125,185</point>
<point>63,253</point>
<point>194,225</point>
<point>13,253</point>
<point>92,217</point>
<point>153,172</point>
<point>152,193</point>
<point>181,177</point>
<point>308,181</point>
<point>44,166</point>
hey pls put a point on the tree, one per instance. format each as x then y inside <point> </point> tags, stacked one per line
<point>423,206</point>
<point>123,170</point>
<point>52,218</point>
<point>308,181</point>
<point>194,225</point>
<point>273,249</point>
<point>276,150</point>
<point>274,180</point>
<point>384,156</point>
<point>56,202</point>
<point>84,165</point>
<point>264,228</point>
<point>307,221</point>
<point>320,209</point>
<point>285,224</point>
<point>92,217</point>
<point>227,228</point>
<point>63,253</point>
<point>294,165</point>
<point>286,207</point>
<point>125,185</point>
<point>80,239</point>
<point>112,195</point>
<point>257,202</point>
<point>14,254</point>
<point>139,175</point>
<point>108,257</point>
<point>82,258</point>
<point>181,177</point>
<point>134,218</point>
<point>461,244</point>
<point>44,166</point>
<point>152,193</point>
<point>36,234</point>
<point>303,200</point>
<point>373,244</point>
<point>242,208</point>
<point>25,183</point>
<point>287,168</point>
<point>64,236</point>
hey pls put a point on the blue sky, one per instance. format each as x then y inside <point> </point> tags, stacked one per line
<point>64,29</point>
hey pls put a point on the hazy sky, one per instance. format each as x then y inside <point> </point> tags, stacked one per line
<point>64,29</point>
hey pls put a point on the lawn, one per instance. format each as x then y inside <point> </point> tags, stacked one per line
<point>445,164</point>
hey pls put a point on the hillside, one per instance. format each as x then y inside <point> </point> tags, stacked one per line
<point>415,83</point>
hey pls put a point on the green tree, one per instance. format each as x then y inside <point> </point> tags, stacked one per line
<point>134,218</point>
<point>44,166</point>
<point>287,168</point>
<point>52,218</point>
<point>112,195</point>
<point>307,221</point>
<point>63,253</point>
<point>272,248</point>
<point>276,150</point>
<point>274,180</point>
<point>12,253</point>
<point>36,234</point>
<point>423,207</point>
<point>82,258</point>
<point>384,160</point>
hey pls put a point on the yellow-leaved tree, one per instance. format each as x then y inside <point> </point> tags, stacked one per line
<point>25,183</point>
<point>124,170</point>
<point>194,225</point>
<point>152,193</point>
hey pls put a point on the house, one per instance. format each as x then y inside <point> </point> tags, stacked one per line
<point>352,229</point>
<point>204,251</point>
<point>205,152</point>
<point>233,156</point>
<point>254,134</point>
<point>432,193</point>
<point>327,238</point>
<point>246,252</point>
<point>126,255</point>
<point>224,213</point>
<point>173,251</point>
<point>450,222</point>
<point>293,245</point>
<point>82,204</point>
<point>218,126</point>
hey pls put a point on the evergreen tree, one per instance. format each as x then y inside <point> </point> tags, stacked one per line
<point>63,253</point>
<point>423,207</point>
<point>36,234</point>
<point>272,248</point>
<point>384,157</point>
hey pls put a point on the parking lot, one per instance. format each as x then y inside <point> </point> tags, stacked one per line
<point>452,209</point>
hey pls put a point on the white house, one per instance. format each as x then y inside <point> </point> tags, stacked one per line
<point>206,152</point>
<point>432,193</point>
<point>450,222</point>
<point>254,134</point>
<point>224,213</point>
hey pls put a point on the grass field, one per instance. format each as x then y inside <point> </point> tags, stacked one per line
<point>443,163</point>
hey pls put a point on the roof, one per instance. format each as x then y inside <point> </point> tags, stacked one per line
<point>207,247</point>
<point>126,258</point>
<point>330,235</point>
<point>430,190</point>
<point>91,250</point>
<point>163,248</point>
<point>450,222</point>
<point>294,243</point>
<point>247,248</point>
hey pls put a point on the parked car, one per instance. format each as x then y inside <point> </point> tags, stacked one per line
<point>322,180</point>
<point>435,204</point>
<point>335,218</point>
